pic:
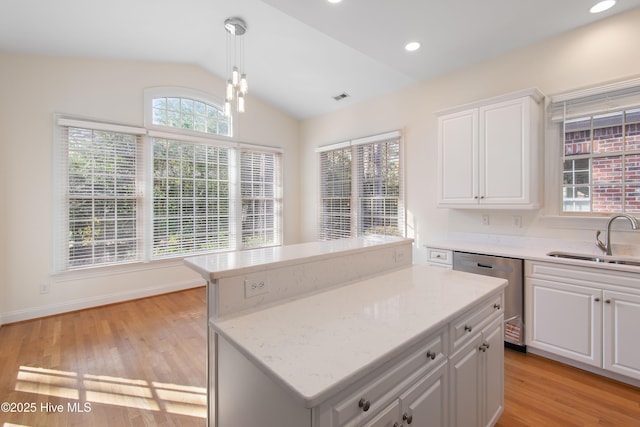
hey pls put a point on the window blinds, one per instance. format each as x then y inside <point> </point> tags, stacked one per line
<point>98,194</point>
<point>122,197</point>
<point>361,187</point>
<point>595,101</point>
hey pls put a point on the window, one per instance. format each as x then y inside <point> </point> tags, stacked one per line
<point>189,112</point>
<point>601,149</point>
<point>361,188</point>
<point>98,194</point>
<point>261,198</point>
<point>126,194</point>
<point>191,198</point>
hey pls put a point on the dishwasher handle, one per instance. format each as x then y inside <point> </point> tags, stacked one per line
<point>478,264</point>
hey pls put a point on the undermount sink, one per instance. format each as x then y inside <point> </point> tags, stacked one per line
<point>594,258</point>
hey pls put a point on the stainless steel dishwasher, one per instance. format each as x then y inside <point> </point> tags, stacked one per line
<point>504,268</point>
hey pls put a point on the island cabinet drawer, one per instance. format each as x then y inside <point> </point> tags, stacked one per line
<point>368,396</point>
<point>467,325</point>
<point>439,256</point>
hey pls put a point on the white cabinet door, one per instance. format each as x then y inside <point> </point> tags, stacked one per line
<point>425,403</point>
<point>465,385</point>
<point>621,323</point>
<point>458,158</point>
<point>489,155</point>
<point>504,149</point>
<point>565,319</point>
<point>493,338</point>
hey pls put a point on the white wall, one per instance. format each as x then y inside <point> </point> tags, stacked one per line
<point>590,55</point>
<point>32,89</point>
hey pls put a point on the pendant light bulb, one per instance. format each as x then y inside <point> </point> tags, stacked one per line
<point>235,76</point>
<point>244,86</point>
<point>229,96</point>
<point>240,103</point>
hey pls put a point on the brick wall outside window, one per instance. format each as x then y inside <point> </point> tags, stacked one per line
<point>614,153</point>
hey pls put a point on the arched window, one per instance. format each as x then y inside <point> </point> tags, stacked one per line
<point>185,109</point>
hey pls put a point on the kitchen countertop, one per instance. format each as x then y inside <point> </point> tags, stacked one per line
<point>227,264</point>
<point>536,249</point>
<point>372,321</point>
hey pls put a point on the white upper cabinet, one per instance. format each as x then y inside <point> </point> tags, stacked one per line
<point>489,153</point>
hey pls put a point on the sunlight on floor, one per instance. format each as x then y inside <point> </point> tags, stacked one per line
<point>103,389</point>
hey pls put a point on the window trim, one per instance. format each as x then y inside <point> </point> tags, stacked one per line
<point>625,94</point>
<point>182,92</point>
<point>60,169</point>
<point>59,258</point>
<point>355,217</point>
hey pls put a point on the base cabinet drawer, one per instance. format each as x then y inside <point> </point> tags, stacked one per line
<point>358,405</point>
<point>464,327</point>
<point>440,257</point>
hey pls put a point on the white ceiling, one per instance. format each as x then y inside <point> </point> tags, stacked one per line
<point>299,53</point>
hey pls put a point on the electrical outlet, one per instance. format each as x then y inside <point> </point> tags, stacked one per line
<point>45,287</point>
<point>485,219</point>
<point>255,286</point>
<point>400,255</point>
<point>516,221</point>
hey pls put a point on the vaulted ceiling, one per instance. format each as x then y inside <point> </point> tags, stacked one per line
<point>299,53</point>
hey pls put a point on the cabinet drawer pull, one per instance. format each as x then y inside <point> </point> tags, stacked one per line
<point>597,300</point>
<point>467,328</point>
<point>408,418</point>
<point>364,405</point>
<point>608,301</point>
<point>497,306</point>
<point>431,355</point>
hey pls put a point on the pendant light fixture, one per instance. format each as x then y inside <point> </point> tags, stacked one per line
<point>237,85</point>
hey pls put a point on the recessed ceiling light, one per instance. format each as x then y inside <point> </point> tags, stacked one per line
<point>602,6</point>
<point>412,46</point>
<point>334,1</point>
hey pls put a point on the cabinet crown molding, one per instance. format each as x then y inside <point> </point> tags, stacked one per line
<point>534,93</point>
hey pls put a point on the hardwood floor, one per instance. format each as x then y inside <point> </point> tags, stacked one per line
<point>541,392</point>
<point>142,363</point>
<point>139,363</point>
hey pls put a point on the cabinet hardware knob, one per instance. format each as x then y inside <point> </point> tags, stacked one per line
<point>597,300</point>
<point>438,256</point>
<point>482,348</point>
<point>431,355</point>
<point>364,404</point>
<point>467,328</point>
<point>497,306</point>
<point>408,418</point>
<point>482,197</point>
<point>396,425</point>
<point>608,301</point>
<point>486,345</point>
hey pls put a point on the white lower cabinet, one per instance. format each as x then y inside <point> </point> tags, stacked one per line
<point>424,404</point>
<point>477,378</point>
<point>413,389</point>
<point>584,314</point>
<point>621,322</point>
<point>565,320</point>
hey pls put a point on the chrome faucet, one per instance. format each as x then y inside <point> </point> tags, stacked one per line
<point>606,248</point>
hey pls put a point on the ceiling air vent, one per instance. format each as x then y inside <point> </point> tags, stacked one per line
<point>341,96</point>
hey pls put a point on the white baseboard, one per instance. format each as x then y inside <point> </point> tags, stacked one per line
<point>80,304</point>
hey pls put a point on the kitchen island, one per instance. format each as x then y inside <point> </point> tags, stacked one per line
<point>410,344</point>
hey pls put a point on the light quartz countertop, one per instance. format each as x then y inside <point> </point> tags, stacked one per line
<point>536,249</point>
<point>226,264</point>
<point>317,345</point>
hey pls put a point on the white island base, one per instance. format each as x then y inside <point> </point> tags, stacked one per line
<point>407,346</point>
